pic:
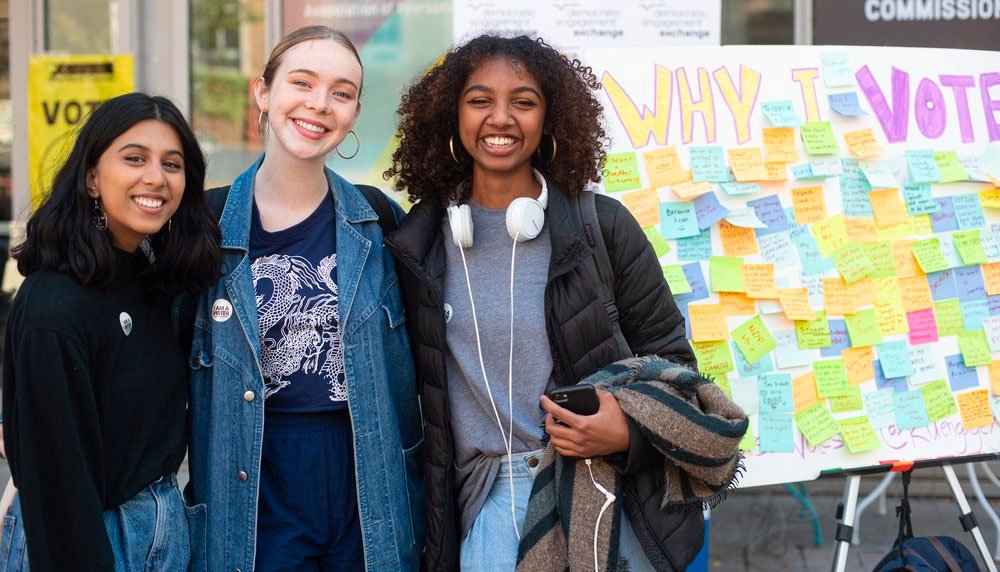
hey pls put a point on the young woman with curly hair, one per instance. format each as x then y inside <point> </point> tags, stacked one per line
<point>503,135</point>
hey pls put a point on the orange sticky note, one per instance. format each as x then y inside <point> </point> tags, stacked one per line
<point>663,166</point>
<point>690,190</point>
<point>994,369</point>
<point>991,278</point>
<point>862,143</point>
<point>906,264</point>
<point>838,298</point>
<point>804,390</point>
<point>644,206</point>
<point>915,293</point>
<point>759,280</point>
<point>779,144</point>
<point>861,228</point>
<point>858,362</point>
<point>736,240</point>
<point>737,304</point>
<point>975,409</point>
<point>708,322</point>
<point>864,291</point>
<point>808,204</point>
<point>747,164</point>
<point>889,208</point>
<point>776,171</point>
<point>795,303</point>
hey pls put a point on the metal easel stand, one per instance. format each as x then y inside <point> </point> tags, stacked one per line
<point>843,536</point>
<point>877,494</point>
<point>974,479</point>
<point>968,519</point>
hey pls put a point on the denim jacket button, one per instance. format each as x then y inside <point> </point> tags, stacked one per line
<point>532,462</point>
<point>248,396</point>
<point>242,475</point>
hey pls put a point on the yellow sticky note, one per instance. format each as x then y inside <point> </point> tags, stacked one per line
<point>975,409</point>
<point>714,357</point>
<point>737,304</point>
<point>747,164</point>
<point>990,198</point>
<point>858,362</point>
<point>838,298</point>
<point>891,318</point>
<point>818,138</point>
<point>663,167</point>
<point>852,262</point>
<point>736,240</point>
<point>808,204</point>
<point>888,207</point>
<point>795,303</point>
<point>915,293</point>
<point>886,289</point>
<point>804,391</point>
<point>690,189</point>
<point>779,144</point>
<point>862,143</point>
<point>861,229</point>
<point>708,322</point>
<point>830,234</point>
<point>991,278</point>
<point>759,280</point>
<point>676,279</point>
<point>906,264</point>
<point>644,206</point>
<point>858,434</point>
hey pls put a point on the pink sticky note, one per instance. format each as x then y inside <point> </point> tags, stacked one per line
<point>923,326</point>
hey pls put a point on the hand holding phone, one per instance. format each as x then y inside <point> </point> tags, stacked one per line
<point>580,399</point>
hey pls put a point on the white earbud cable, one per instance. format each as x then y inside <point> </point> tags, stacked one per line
<point>609,498</point>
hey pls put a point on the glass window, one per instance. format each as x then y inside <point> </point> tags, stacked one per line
<point>79,26</point>
<point>758,22</point>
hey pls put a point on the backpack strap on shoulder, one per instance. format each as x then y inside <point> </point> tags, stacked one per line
<point>595,238</point>
<point>216,200</point>
<point>378,201</point>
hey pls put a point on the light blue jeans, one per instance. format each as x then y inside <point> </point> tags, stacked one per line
<point>491,543</point>
<point>149,532</point>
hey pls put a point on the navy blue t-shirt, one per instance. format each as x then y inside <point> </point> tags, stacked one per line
<point>298,311</point>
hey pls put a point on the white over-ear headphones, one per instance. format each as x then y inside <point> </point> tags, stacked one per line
<point>525,218</point>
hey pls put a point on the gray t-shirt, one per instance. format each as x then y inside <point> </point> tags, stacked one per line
<point>479,445</point>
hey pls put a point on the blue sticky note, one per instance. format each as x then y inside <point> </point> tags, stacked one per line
<point>812,261</point>
<point>959,376</point>
<point>771,213</point>
<point>708,210</point>
<point>969,283</point>
<point>879,174</point>
<point>788,353</point>
<point>763,365</point>
<point>918,199</point>
<point>878,406</point>
<point>708,163</point>
<point>678,219</point>
<point>698,247</point>
<point>737,189</point>
<point>923,168</point>
<point>911,411</point>
<point>840,340</point>
<point>776,433</point>
<point>942,285</point>
<point>854,189</point>
<point>896,384</point>
<point>994,304</point>
<point>968,211</point>
<point>781,113</point>
<point>696,279</point>
<point>895,359</point>
<point>836,69</point>
<point>803,171</point>
<point>777,249</point>
<point>973,313</point>
<point>944,220</point>
<point>846,104</point>
<point>775,392</point>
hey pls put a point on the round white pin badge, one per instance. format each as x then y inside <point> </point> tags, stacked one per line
<point>222,310</point>
<point>126,321</point>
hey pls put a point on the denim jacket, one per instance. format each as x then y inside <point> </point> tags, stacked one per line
<point>227,393</point>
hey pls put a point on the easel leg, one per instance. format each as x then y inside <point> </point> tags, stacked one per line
<point>877,493</point>
<point>844,527</point>
<point>968,519</point>
<point>974,480</point>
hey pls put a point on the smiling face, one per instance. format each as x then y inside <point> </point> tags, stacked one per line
<point>312,102</point>
<point>501,113</point>
<point>139,181</point>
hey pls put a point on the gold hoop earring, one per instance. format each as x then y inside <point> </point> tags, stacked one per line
<point>451,147</point>
<point>98,216</point>
<point>358,148</point>
<point>555,149</point>
<point>262,126</point>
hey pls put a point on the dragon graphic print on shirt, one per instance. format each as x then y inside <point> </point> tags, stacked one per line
<point>299,320</point>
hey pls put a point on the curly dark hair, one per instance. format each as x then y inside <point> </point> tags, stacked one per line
<point>423,165</point>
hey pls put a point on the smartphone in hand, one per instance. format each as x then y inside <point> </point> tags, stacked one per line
<point>580,399</point>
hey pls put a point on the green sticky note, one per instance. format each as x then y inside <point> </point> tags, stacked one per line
<point>753,339</point>
<point>818,138</point>
<point>722,380</point>
<point>928,255</point>
<point>676,279</point>
<point>949,165</point>
<point>852,261</point>
<point>939,400</point>
<point>948,314</point>
<point>975,348</point>
<point>882,258</point>
<point>858,434</point>
<point>816,423</point>
<point>660,246</point>
<point>831,378</point>
<point>621,172</point>
<point>814,334</point>
<point>724,272</point>
<point>863,328</point>
<point>714,357</point>
<point>748,443</point>
<point>969,246</point>
<point>850,402</point>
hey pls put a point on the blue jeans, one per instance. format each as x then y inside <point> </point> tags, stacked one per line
<point>148,532</point>
<point>491,543</point>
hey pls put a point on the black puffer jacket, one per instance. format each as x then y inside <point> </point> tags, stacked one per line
<point>579,333</point>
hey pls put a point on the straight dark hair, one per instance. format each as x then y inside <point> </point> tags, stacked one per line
<point>185,255</point>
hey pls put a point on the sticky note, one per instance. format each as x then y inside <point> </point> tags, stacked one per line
<point>816,423</point>
<point>882,259</point>
<point>813,260</point>
<point>747,164</point>
<point>745,217</point>
<point>664,168</point>
<point>942,285</point>
<point>721,380</point>
<point>975,409</point>
<point>713,357</point>
<point>737,240</point>
<point>858,363</point>
<point>862,230</point>
<point>938,400</point>
<point>678,219</point>
<point>991,278</point>
<point>813,334</point>
<point>927,366</point>
<point>849,402</point>
<point>830,234</point>
<point>945,219</point>
<point>725,275</point>
<point>836,69</point>
<point>863,328</point>
<point>918,199</point>
<point>895,385</point>
<point>809,204</point>
<point>753,339</point>
<point>990,198</point>
<point>852,262</point>
<point>779,144</point>
<point>878,404</point>
<point>928,255</point>
<point>990,161</point>
<point>922,167</point>
<point>895,359</point>
<point>974,347</point>
<point>994,374</point>
<point>991,329</point>
<point>889,209</point>
<point>906,264</point>
<point>621,172</point>
<point>846,104</point>
<point>831,378</point>
<point>775,393</point>
<point>862,143</point>
<point>787,354</point>
<point>748,443</point>
<point>804,391</point>
<point>973,313</point>
<point>968,211</point>
<point>838,298</point>
<point>923,326</point>
<point>644,206</point>
<point>708,163</point>
<point>858,434</point>
<point>745,368</point>
<point>950,167</point>
<point>948,314</point>
<point>777,249</point>
<point>910,409</point>
<point>776,434</point>
<point>969,246</point>
<point>745,394</point>
<point>708,322</point>
<point>891,318</point>
<point>698,247</point>
<point>960,376</point>
<point>758,279</point>
<point>839,339</point>
<point>795,304</point>
<point>660,246</point>
<point>915,293</point>
<point>878,174</point>
<point>737,189</point>
<point>782,114</point>
<point>674,275</point>
<point>818,138</point>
